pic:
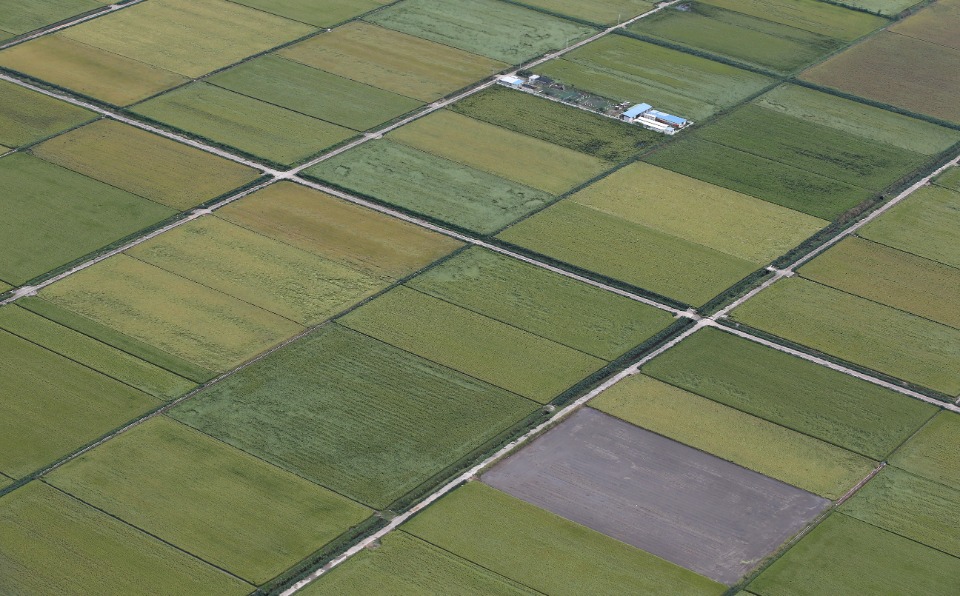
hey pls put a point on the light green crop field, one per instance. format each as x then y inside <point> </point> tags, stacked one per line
<point>252,126</point>
<point>557,308</point>
<point>392,60</point>
<point>778,183</point>
<point>314,92</point>
<point>605,12</point>
<point>869,334</point>
<point>89,70</point>
<point>376,244</point>
<point>626,69</point>
<point>934,452</point>
<point>43,531</point>
<point>145,164</point>
<point>436,187</point>
<point>52,406</point>
<point>320,14</point>
<point>910,506</point>
<point>556,123</point>
<point>21,17</point>
<point>862,120</point>
<point>809,15</point>
<point>891,277</point>
<point>884,7</point>
<point>735,436</point>
<point>279,278</point>
<point>794,393</point>
<point>211,329</point>
<point>52,216</point>
<point>193,491</point>
<point>949,179</point>
<point>479,346</point>
<point>755,41</point>
<point>846,556</point>
<point>27,116</point>
<point>504,32</point>
<point>544,551</point>
<point>499,151</point>
<point>936,23</point>
<point>898,70</point>
<point>721,219</point>
<point>617,248</point>
<point>354,414</point>
<point>926,225</point>
<point>85,350</point>
<point>403,564</point>
<point>189,37</point>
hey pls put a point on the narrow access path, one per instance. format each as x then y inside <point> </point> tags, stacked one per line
<point>70,23</point>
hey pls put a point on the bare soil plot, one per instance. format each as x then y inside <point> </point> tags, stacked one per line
<point>52,406</point>
<point>42,531</point>
<point>479,346</point>
<point>735,436</point>
<point>145,164</point>
<point>891,341</point>
<point>19,17</point>
<point>936,23</point>
<point>377,244</point>
<point>314,92</point>
<point>320,14</point>
<point>358,416</point>
<point>27,116</point>
<point>504,32</point>
<point>678,503</point>
<point>52,216</point>
<point>809,15</point>
<point>792,392</point>
<point>189,37</point>
<point>549,305</point>
<point>545,551</point>
<point>194,491</point>
<point>499,151</point>
<point>606,12</point>
<point>899,70</point>
<point>846,556</point>
<point>392,60</point>
<point>926,225</point>
<point>934,452</point>
<point>617,248</point>
<point>890,276</point>
<point>89,70</point>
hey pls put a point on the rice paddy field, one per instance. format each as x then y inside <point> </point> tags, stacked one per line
<point>325,14</point>
<point>22,17</point>
<point>27,116</point>
<point>931,453</point>
<point>808,15</point>
<point>606,12</point>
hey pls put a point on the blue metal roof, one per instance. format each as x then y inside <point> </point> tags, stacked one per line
<point>668,118</point>
<point>637,110</point>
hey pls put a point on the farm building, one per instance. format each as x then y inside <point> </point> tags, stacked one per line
<point>636,111</point>
<point>511,81</point>
<point>669,119</point>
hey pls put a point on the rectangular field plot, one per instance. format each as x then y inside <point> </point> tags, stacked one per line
<point>22,17</point>
<point>27,116</point>
<point>191,490</point>
<point>609,245</point>
<point>254,127</point>
<point>883,7</point>
<point>898,70</point>
<point>844,556</point>
<point>438,188</point>
<point>625,69</point>
<point>50,542</point>
<point>403,564</point>
<point>479,346</point>
<point>498,30</point>
<point>370,242</point>
<point>544,551</point>
<point>926,224</point>
<point>949,179</point>
<point>791,392</point>
<point>188,37</point>
<point>936,23</point>
<point>52,406</point>
<point>392,60</point>
<point>212,330</point>
<point>145,164</point>
<point>358,416</point>
<point>671,500</point>
<point>891,341</point>
<point>556,123</point>
<point>52,216</point>
<point>934,452</point>
<point>552,306</point>
<point>742,37</point>
<point>891,277</point>
<point>88,70</point>
<point>735,436</point>
<point>808,15</point>
<point>319,14</point>
<point>314,92</point>
<point>606,12</point>
<point>499,151</point>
